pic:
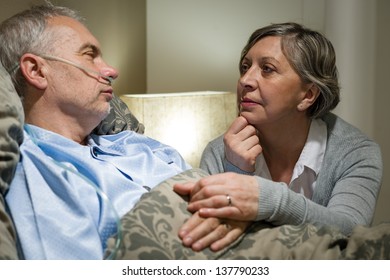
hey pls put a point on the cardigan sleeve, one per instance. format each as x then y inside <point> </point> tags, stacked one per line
<point>346,189</point>
<point>213,159</point>
<point>345,194</point>
<point>348,185</point>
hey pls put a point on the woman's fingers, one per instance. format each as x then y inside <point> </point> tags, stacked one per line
<point>215,201</point>
<point>242,145</point>
<point>237,125</point>
<point>226,195</point>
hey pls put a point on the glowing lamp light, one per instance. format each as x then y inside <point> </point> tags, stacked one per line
<point>186,121</point>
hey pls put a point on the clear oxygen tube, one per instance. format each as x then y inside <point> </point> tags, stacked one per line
<point>85,69</point>
<point>98,190</point>
<point>74,64</point>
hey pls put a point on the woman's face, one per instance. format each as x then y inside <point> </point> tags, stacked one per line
<point>269,91</point>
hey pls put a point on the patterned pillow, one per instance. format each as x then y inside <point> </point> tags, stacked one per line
<point>11,136</point>
<point>119,119</point>
<point>150,231</point>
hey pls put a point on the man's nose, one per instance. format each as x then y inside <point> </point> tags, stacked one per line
<point>110,72</point>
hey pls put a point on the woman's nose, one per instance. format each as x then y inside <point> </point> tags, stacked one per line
<point>248,79</point>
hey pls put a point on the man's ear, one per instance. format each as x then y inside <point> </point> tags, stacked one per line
<point>32,70</point>
<point>310,97</point>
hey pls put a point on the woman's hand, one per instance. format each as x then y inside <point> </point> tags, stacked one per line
<point>226,196</point>
<point>242,145</point>
<point>199,233</point>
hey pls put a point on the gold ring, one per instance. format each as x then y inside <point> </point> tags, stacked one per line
<point>229,199</point>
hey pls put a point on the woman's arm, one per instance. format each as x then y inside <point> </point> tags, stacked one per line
<point>345,194</point>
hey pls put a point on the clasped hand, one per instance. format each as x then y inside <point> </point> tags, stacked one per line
<point>216,223</point>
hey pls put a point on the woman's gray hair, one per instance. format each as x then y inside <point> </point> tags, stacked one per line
<point>26,32</point>
<point>313,58</point>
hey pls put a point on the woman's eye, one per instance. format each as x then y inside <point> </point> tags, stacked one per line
<point>267,69</point>
<point>243,68</point>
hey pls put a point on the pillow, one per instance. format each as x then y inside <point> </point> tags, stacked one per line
<point>150,231</point>
<point>119,119</point>
<point>11,136</point>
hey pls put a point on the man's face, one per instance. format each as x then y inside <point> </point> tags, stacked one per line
<point>78,93</point>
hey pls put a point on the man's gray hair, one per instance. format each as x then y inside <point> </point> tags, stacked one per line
<point>26,32</point>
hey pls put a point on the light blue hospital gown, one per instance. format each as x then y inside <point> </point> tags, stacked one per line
<point>53,200</point>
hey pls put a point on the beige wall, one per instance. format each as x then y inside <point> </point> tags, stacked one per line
<point>382,100</point>
<point>119,25</point>
<point>195,45</point>
<point>355,44</point>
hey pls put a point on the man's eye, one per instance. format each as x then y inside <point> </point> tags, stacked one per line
<point>90,54</point>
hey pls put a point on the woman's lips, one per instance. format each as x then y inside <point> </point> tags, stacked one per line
<point>246,102</point>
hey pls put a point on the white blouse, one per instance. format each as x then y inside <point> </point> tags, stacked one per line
<point>309,163</point>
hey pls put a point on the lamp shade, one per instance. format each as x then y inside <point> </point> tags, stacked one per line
<point>186,121</point>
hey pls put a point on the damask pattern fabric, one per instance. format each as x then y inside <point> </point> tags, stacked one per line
<point>119,119</point>
<point>150,230</point>
<point>11,136</point>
